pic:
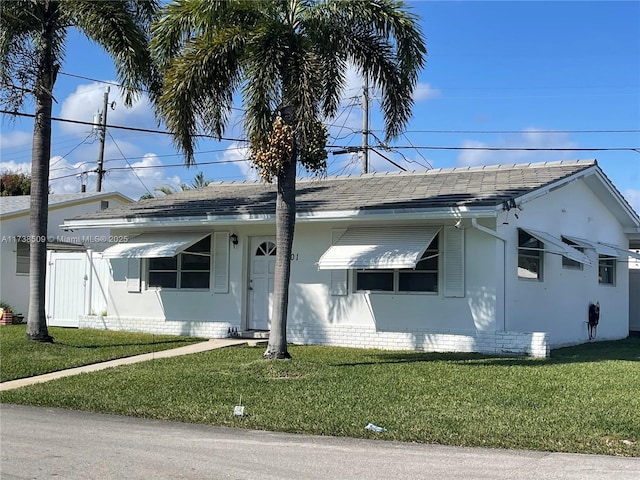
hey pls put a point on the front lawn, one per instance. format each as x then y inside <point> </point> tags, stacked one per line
<point>583,399</point>
<point>73,347</point>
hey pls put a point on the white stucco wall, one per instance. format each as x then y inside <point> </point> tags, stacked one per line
<point>14,287</point>
<point>559,303</point>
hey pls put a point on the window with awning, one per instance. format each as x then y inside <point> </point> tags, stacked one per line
<point>375,248</point>
<point>154,245</point>
<point>604,249</point>
<point>552,244</point>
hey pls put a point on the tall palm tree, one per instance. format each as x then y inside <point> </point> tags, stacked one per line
<point>32,50</point>
<point>288,59</point>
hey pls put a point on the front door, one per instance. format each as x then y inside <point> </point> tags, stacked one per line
<point>261,271</point>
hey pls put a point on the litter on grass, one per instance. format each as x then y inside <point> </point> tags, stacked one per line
<point>375,428</point>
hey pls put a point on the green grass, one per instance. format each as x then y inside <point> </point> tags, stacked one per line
<point>583,399</point>
<point>21,358</point>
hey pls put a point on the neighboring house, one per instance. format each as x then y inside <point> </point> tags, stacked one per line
<point>497,259</point>
<point>66,250</point>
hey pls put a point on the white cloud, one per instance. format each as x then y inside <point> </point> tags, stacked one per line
<point>530,138</point>
<point>633,197</point>
<point>88,100</point>
<point>425,91</point>
<point>239,154</point>
<point>15,139</point>
<point>15,167</point>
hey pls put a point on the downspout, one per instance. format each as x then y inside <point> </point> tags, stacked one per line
<point>493,233</point>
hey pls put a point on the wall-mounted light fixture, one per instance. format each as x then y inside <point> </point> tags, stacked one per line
<point>234,239</point>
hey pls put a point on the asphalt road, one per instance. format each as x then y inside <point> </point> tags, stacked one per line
<point>44,443</point>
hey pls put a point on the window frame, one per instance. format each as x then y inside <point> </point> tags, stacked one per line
<point>430,253</point>
<point>179,269</point>
<point>606,261</point>
<point>567,263</point>
<point>526,253</point>
<point>21,257</point>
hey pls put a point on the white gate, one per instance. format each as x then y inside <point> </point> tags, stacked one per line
<point>634,300</point>
<point>76,285</point>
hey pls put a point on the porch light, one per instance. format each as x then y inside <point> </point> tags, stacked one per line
<point>234,239</point>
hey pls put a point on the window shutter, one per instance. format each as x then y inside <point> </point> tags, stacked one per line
<point>221,262</point>
<point>133,275</point>
<point>453,262</point>
<point>339,278</point>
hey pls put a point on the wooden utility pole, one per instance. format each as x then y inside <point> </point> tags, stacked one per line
<point>365,124</point>
<point>103,134</point>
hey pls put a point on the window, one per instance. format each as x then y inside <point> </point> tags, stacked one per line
<point>567,262</point>
<point>22,258</point>
<point>530,256</point>
<point>189,269</point>
<point>422,278</point>
<point>606,270</point>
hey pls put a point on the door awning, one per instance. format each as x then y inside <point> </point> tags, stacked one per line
<point>153,245</point>
<point>378,247</point>
<point>604,248</point>
<point>556,245</point>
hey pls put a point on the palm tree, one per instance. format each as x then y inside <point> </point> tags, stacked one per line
<point>32,42</point>
<point>288,60</point>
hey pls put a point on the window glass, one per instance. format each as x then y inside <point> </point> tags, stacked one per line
<point>418,282</point>
<point>567,262</point>
<point>606,270</point>
<point>424,278</point>
<point>529,256</point>
<point>190,269</point>
<point>381,280</point>
<point>163,279</point>
<point>22,257</point>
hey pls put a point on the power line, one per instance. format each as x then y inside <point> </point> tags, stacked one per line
<point>120,127</point>
<point>125,159</point>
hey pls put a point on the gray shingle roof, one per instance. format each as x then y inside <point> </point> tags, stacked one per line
<point>21,203</point>
<point>438,188</point>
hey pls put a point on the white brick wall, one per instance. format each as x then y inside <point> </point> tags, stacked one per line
<point>535,344</point>
<point>159,326</point>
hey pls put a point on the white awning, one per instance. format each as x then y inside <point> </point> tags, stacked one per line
<point>556,245</point>
<point>378,247</point>
<point>621,252</point>
<point>153,245</point>
<point>604,248</point>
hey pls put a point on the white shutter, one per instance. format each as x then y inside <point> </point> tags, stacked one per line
<point>221,262</point>
<point>339,278</point>
<point>133,275</point>
<point>453,262</point>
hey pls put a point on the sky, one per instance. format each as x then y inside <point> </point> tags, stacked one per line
<point>499,75</point>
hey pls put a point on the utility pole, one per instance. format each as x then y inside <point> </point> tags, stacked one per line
<point>365,124</point>
<point>103,134</point>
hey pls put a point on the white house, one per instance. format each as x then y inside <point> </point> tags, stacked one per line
<point>66,250</point>
<point>497,259</point>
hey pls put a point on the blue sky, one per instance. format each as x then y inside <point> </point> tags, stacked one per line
<point>498,74</point>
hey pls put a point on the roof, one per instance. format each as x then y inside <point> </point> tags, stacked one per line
<point>470,187</point>
<point>15,205</point>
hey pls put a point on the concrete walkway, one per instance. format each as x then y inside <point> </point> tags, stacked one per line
<point>94,367</point>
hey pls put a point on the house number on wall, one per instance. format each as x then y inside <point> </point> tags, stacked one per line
<point>294,257</point>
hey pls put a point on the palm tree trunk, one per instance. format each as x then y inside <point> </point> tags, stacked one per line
<point>41,152</point>
<point>285,226</point>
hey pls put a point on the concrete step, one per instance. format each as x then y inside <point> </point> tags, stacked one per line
<point>254,334</point>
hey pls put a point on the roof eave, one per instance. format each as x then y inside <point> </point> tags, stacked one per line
<point>301,217</point>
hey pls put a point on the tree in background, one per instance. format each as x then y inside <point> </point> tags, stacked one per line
<point>288,60</point>
<point>198,182</point>
<point>14,184</point>
<point>32,50</point>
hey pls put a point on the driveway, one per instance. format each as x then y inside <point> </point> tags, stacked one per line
<point>46,443</point>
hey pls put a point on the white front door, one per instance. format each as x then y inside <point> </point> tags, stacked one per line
<point>261,270</point>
